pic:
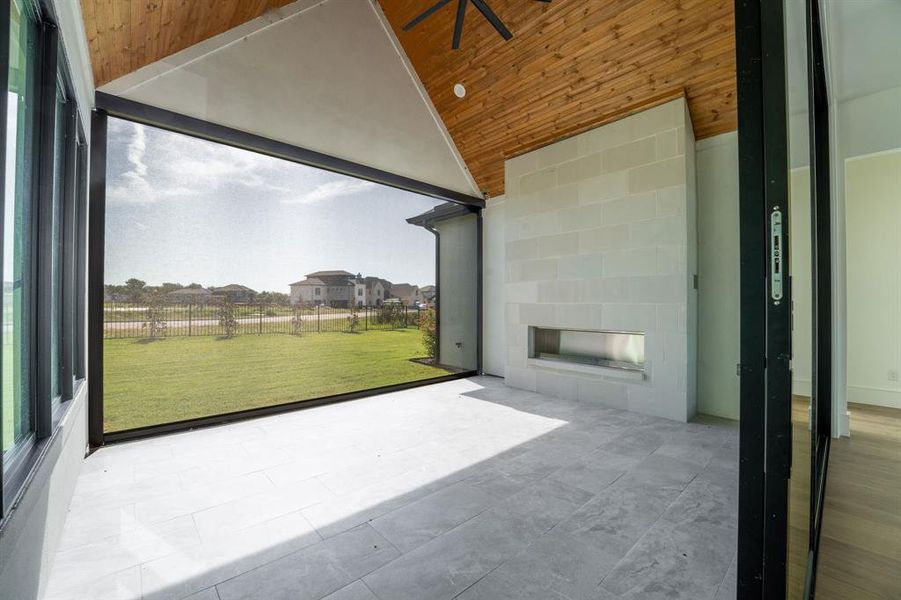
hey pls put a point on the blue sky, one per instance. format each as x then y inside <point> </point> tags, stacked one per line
<point>185,210</point>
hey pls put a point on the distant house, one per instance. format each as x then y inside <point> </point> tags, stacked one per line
<point>239,294</point>
<point>407,293</point>
<point>332,288</point>
<point>309,291</point>
<point>377,290</point>
<point>190,296</point>
<point>428,293</point>
<point>340,288</point>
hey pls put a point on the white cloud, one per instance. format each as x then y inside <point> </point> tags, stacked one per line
<point>329,190</point>
<point>161,166</point>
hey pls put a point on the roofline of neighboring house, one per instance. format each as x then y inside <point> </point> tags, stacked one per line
<point>442,212</point>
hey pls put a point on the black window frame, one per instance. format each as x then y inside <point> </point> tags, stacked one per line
<point>107,105</point>
<point>47,411</point>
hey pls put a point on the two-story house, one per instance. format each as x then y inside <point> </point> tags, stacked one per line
<point>239,294</point>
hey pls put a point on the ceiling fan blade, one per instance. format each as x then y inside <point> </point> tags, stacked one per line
<point>425,15</point>
<point>458,24</point>
<point>492,18</point>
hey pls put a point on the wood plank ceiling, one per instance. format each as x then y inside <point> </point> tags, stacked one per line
<point>572,65</point>
<point>125,35</point>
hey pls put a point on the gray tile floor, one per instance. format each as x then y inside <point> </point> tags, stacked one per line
<point>466,489</point>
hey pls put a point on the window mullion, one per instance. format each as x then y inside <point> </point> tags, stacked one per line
<point>44,254</point>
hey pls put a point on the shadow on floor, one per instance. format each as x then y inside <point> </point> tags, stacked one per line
<point>465,489</point>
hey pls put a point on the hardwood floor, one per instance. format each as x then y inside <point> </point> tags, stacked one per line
<point>860,546</point>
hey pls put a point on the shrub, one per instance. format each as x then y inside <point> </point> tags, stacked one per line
<point>353,319</point>
<point>428,325</point>
<point>227,320</point>
<point>391,314</point>
<point>297,319</point>
<point>154,318</point>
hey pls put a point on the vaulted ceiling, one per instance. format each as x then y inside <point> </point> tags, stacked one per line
<point>571,65</point>
<point>125,35</point>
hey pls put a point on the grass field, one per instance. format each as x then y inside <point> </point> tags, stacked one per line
<point>172,379</point>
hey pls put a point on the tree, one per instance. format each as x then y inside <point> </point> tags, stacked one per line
<point>297,319</point>
<point>170,287</point>
<point>353,319</point>
<point>134,290</point>
<point>227,320</point>
<point>114,292</point>
<point>272,298</point>
<point>154,318</point>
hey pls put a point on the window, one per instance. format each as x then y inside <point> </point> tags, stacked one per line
<point>56,304</point>
<point>41,260</point>
<point>359,291</point>
<point>317,291</point>
<point>22,101</point>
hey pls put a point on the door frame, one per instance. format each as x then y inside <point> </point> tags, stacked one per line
<point>765,368</point>
<point>822,388</point>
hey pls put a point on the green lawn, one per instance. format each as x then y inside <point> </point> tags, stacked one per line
<point>154,382</point>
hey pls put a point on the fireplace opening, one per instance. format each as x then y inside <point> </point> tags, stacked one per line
<point>611,349</point>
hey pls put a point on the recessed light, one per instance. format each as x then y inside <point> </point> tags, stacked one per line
<point>459,90</point>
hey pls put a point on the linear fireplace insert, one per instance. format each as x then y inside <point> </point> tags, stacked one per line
<point>610,349</point>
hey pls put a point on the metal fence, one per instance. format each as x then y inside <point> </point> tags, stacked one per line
<point>127,320</point>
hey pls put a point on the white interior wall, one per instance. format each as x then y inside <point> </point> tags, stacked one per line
<point>718,283</point>
<point>719,303</point>
<point>862,125</point>
<point>801,283</point>
<point>872,192</point>
<point>494,329</point>
<point>326,75</point>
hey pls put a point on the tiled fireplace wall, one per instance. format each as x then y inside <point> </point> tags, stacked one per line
<point>600,235</point>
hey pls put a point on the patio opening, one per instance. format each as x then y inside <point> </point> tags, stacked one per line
<point>236,281</point>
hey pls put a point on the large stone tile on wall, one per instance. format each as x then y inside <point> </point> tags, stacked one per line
<point>600,235</point>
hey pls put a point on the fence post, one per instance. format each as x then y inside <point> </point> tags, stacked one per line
<point>318,318</point>
<point>366,317</point>
<point>405,316</point>
<point>190,310</point>
<point>261,319</point>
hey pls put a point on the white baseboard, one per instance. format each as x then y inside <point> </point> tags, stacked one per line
<point>875,396</point>
<point>801,387</point>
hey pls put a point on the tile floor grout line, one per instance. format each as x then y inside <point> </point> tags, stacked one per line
<point>371,591</point>
<point>562,441</point>
<point>719,586</point>
<point>649,528</point>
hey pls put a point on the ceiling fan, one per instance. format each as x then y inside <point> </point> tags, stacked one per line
<point>483,7</point>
